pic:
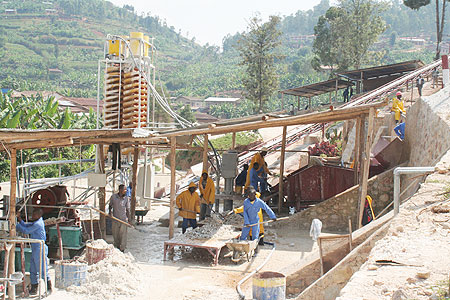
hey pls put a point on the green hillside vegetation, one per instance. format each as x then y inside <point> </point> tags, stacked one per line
<point>71,39</point>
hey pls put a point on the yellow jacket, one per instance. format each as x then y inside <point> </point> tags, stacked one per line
<point>262,164</point>
<point>209,192</point>
<point>188,201</point>
<point>240,210</point>
<point>398,107</point>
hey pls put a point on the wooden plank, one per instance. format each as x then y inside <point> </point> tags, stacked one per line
<point>102,190</point>
<point>366,166</point>
<point>21,134</point>
<point>281,183</point>
<point>205,152</point>
<point>12,216</point>
<point>311,118</point>
<point>356,156</point>
<point>233,141</point>
<point>133,183</point>
<point>173,148</point>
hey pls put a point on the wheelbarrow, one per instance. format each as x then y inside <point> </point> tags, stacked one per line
<point>241,249</point>
<point>140,213</point>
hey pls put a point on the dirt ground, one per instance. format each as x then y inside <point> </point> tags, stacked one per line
<point>191,275</point>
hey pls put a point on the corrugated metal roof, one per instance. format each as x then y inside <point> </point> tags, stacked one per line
<point>221,99</point>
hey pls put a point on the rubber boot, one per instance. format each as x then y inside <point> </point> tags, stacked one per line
<point>49,286</point>
<point>261,241</point>
<point>34,289</point>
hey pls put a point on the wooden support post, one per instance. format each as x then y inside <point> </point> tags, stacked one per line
<point>329,97</point>
<point>323,132</point>
<point>12,218</point>
<point>309,103</point>
<point>173,148</point>
<point>281,183</point>
<point>335,91</point>
<point>102,191</point>
<point>365,166</point>
<point>362,85</point>
<point>298,102</point>
<point>357,150</point>
<point>133,183</point>
<point>205,152</point>
<point>233,140</point>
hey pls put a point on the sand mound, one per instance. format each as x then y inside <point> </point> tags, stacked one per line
<point>117,276</point>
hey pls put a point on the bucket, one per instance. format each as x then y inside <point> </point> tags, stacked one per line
<point>135,43</point>
<point>94,255</point>
<point>69,273</point>
<point>147,39</point>
<point>269,286</point>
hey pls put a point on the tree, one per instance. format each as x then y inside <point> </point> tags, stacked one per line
<point>346,32</point>
<point>186,113</point>
<point>257,50</point>
<point>440,19</point>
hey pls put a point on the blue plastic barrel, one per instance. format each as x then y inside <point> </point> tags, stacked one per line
<point>69,273</point>
<point>269,286</point>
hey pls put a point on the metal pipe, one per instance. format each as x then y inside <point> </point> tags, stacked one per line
<point>402,171</point>
<point>92,224</point>
<point>238,287</point>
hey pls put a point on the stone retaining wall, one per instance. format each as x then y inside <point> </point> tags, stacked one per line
<point>334,212</point>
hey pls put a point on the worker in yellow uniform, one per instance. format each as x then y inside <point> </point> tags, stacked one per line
<point>240,210</point>
<point>188,202</point>
<point>398,106</point>
<point>258,158</point>
<point>207,195</point>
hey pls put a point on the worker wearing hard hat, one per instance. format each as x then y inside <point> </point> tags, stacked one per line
<point>397,106</point>
<point>257,158</point>
<point>240,210</point>
<point>252,205</point>
<point>188,202</point>
<point>207,195</point>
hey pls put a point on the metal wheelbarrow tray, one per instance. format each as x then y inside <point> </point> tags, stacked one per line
<point>242,249</point>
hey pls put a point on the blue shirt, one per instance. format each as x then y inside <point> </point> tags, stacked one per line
<point>254,178</point>
<point>251,210</point>
<point>35,229</point>
<point>400,130</point>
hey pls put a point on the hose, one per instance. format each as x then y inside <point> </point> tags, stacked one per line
<point>238,287</point>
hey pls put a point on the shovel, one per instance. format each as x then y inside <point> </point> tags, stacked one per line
<point>268,221</point>
<point>116,219</point>
<point>204,202</point>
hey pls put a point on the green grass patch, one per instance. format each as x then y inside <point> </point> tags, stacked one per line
<point>242,139</point>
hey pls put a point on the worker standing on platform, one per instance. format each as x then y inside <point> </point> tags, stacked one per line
<point>398,106</point>
<point>119,207</point>
<point>188,202</point>
<point>400,130</point>
<point>240,180</point>
<point>258,158</point>
<point>257,178</point>
<point>207,195</point>
<point>36,230</point>
<point>252,205</point>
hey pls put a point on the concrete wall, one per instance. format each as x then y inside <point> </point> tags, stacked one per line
<point>300,277</point>
<point>334,212</point>
<point>328,286</point>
